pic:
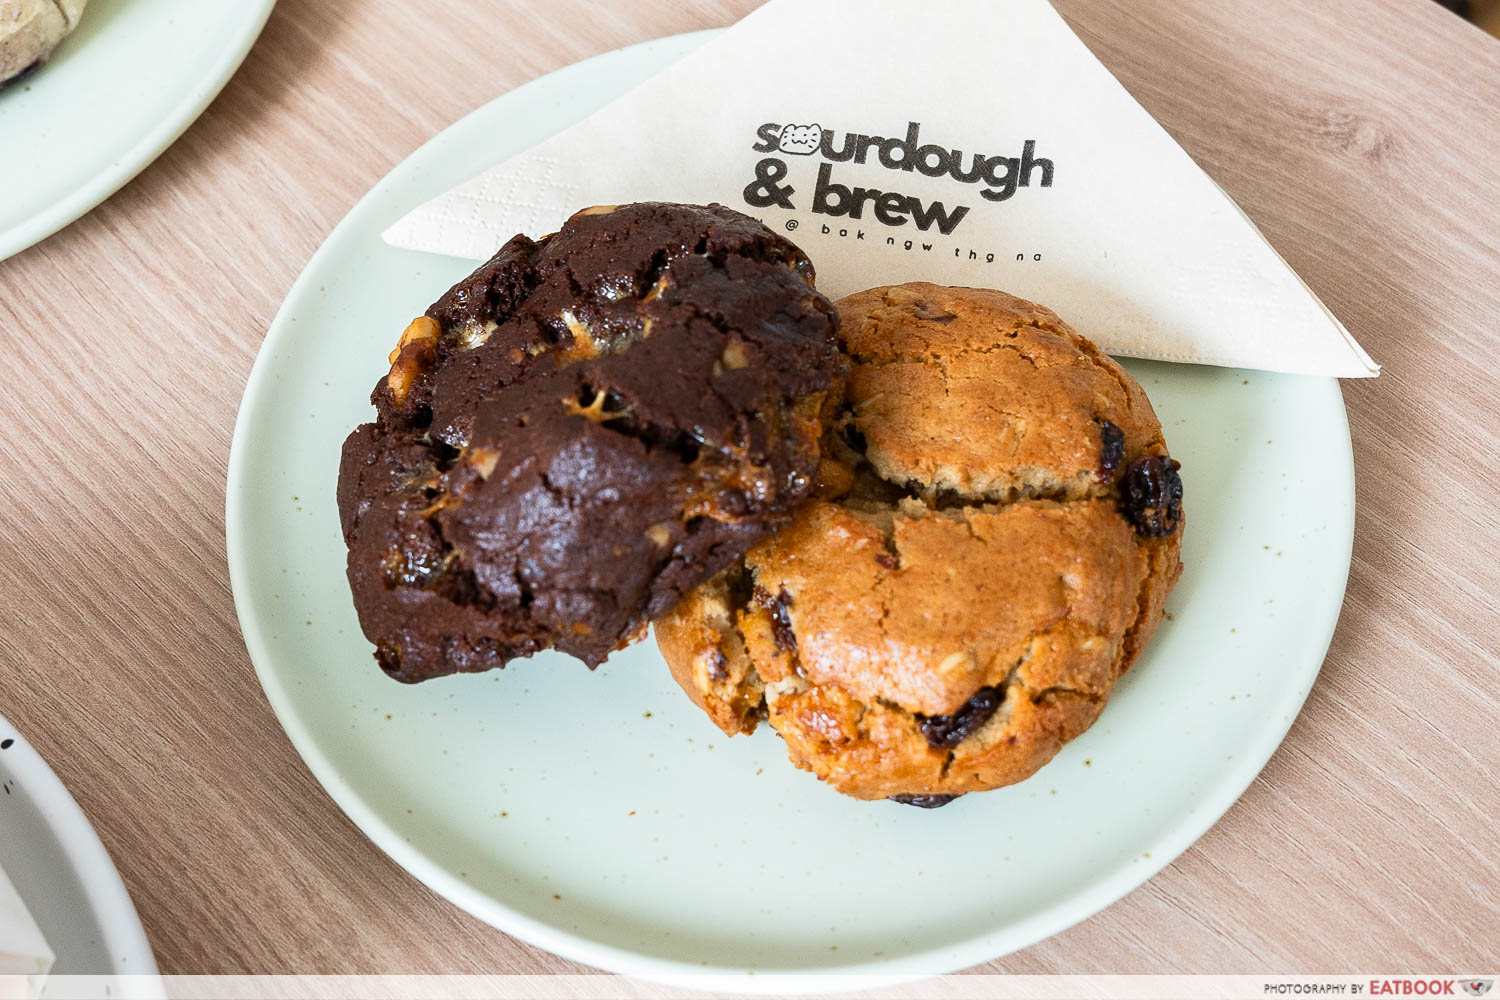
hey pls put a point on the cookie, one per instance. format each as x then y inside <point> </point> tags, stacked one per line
<point>30,30</point>
<point>995,530</point>
<point>580,432</point>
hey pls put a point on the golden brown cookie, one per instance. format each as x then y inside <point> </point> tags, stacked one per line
<point>996,529</point>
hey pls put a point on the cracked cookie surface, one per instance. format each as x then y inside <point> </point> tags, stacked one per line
<point>980,564</point>
<point>580,432</point>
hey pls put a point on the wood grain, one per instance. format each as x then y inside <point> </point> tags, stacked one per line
<point>1364,139</point>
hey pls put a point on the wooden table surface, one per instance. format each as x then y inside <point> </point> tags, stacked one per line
<point>1363,137</point>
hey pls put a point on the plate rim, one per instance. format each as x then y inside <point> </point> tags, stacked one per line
<point>135,158</point>
<point>89,859</point>
<point>963,953</point>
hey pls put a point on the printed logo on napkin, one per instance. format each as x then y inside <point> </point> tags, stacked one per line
<point>997,177</point>
<point>981,144</point>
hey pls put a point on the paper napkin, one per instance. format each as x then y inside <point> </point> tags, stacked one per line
<point>24,955</point>
<point>964,142</point>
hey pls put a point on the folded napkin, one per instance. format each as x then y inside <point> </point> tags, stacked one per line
<point>24,955</point>
<point>964,142</point>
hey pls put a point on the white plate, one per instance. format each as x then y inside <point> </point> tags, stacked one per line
<point>116,93</point>
<point>56,862</point>
<point>604,818</point>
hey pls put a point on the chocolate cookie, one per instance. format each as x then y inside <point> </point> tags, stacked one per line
<point>996,529</point>
<point>580,432</point>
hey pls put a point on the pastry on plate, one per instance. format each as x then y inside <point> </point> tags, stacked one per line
<point>580,432</point>
<point>31,29</point>
<point>996,528</point>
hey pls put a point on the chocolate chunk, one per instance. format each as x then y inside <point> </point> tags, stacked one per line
<point>1151,495</point>
<point>932,314</point>
<point>855,438</point>
<point>944,732</point>
<point>651,372</point>
<point>718,665</point>
<point>923,801</point>
<point>781,621</point>
<point>1111,450</point>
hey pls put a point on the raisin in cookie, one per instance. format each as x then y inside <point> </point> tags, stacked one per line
<point>996,528</point>
<point>580,432</point>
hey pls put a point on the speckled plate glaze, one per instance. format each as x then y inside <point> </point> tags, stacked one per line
<point>117,92</point>
<point>604,818</point>
<point>55,860</point>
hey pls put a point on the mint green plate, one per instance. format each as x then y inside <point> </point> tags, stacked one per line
<point>117,92</point>
<point>601,816</point>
